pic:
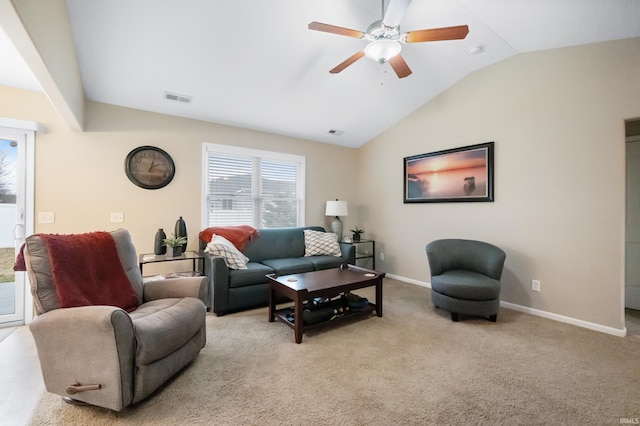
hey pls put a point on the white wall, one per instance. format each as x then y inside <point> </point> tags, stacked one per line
<point>557,119</point>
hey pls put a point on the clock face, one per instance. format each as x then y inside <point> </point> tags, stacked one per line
<point>149,167</point>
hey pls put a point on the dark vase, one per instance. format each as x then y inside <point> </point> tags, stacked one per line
<point>181,228</point>
<point>356,237</point>
<point>158,246</point>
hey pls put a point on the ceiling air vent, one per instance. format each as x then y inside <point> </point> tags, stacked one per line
<point>178,98</point>
<point>335,132</point>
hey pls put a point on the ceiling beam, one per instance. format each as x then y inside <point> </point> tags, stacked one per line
<point>41,33</point>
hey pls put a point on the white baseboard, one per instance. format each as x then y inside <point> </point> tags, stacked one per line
<point>409,280</point>
<point>544,314</point>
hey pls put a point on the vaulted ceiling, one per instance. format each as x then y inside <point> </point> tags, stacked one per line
<point>255,64</point>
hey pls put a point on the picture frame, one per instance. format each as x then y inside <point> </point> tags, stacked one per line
<point>454,175</point>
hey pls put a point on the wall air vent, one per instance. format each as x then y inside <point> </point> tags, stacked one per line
<point>178,98</point>
<point>335,132</point>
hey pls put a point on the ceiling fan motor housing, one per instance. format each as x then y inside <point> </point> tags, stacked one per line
<point>383,42</point>
<point>378,30</point>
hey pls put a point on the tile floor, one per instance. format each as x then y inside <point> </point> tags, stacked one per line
<point>20,378</point>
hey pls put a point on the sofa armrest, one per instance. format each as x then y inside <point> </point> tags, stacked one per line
<point>217,274</point>
<point>176,287</point>
<point>89,345</point>
<point>348,253</point>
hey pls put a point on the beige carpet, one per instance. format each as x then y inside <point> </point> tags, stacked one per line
<point>414,366</point>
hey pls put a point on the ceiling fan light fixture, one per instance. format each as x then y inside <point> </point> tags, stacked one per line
<point>382,50</point>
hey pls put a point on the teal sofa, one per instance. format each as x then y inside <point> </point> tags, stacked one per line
<point>275,251</point>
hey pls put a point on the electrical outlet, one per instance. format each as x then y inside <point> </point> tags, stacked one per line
<point>382,256</point>
<point>46,217</point>
<point>535,285</point>
<point>117,217</point>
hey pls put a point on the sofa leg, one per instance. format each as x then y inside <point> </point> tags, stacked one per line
<point>493,318</point>
<point>454,317</point>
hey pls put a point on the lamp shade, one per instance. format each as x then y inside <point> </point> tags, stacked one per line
<point>336,208</point>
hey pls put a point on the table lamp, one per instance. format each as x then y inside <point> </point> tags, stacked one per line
<point>336,208</point>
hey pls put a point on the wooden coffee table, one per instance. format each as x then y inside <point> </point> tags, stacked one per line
<point>324,283</point>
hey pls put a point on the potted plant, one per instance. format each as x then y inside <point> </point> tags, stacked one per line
<point>356,233</point>
<point>174,245</point>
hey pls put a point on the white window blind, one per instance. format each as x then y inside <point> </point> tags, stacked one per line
<point>251,187</point>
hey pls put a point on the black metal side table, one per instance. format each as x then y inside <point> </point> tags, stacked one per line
<point>365,249</point>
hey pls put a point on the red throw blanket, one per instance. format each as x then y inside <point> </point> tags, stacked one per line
<point>86,270</point>
<point>239,236</point>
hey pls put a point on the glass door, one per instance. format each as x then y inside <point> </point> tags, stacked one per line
<point>12,225</point>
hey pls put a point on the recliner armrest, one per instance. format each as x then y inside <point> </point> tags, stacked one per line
<point>176,287</point>
<point>87,345</point>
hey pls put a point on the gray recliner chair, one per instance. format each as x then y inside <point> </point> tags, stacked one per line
<point>465,277</point>
<point>103,355</point>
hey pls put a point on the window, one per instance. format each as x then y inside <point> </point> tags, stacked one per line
<point>251,187</point>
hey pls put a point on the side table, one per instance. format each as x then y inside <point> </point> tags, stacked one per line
<point>196,258</point>
<point>365,249</point>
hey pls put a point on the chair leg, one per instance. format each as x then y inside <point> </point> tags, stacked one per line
<point>454,317</point>
<point>493,318</point>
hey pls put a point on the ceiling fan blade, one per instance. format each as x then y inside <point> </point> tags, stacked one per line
<point>319,26</point>
<point>347,62</point>
<point>395,12</point>
<point>400,66</point>
<point>437,34</point>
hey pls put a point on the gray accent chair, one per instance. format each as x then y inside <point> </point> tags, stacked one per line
<point>465,277</point>
<point>103,355</point>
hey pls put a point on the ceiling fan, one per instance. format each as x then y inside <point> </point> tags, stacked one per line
<point>385,38</point>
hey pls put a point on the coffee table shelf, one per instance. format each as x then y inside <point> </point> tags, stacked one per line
<point>281,314</point>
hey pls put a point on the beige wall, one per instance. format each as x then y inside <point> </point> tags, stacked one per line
<point>80,176</point>
<point>557,119</point>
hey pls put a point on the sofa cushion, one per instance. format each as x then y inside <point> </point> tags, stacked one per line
<point>278,243</point>
<point>321,243</point>
<point>254,274</point>
<point>220,246</point>
<point>289,265</point>
<point>466,285</point>
<point>163,326</point>
<point>325,262</point>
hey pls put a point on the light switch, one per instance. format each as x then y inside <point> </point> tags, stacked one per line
<point>46,217</point>
<point>117,217</point>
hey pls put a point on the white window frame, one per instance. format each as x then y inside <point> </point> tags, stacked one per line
<point>209,148</point>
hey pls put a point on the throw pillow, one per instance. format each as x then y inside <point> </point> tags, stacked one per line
<point>233,257</point>
<point>317,243</point>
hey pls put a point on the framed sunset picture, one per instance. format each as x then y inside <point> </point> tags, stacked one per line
<point>452,175</point>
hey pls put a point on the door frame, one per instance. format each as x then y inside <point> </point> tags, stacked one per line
<point>628,139</point>
<point>26,130</point>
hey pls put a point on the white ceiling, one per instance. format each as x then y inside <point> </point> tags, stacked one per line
<point>254,64</point>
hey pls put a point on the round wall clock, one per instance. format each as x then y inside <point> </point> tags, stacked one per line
<point>149,167</point>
